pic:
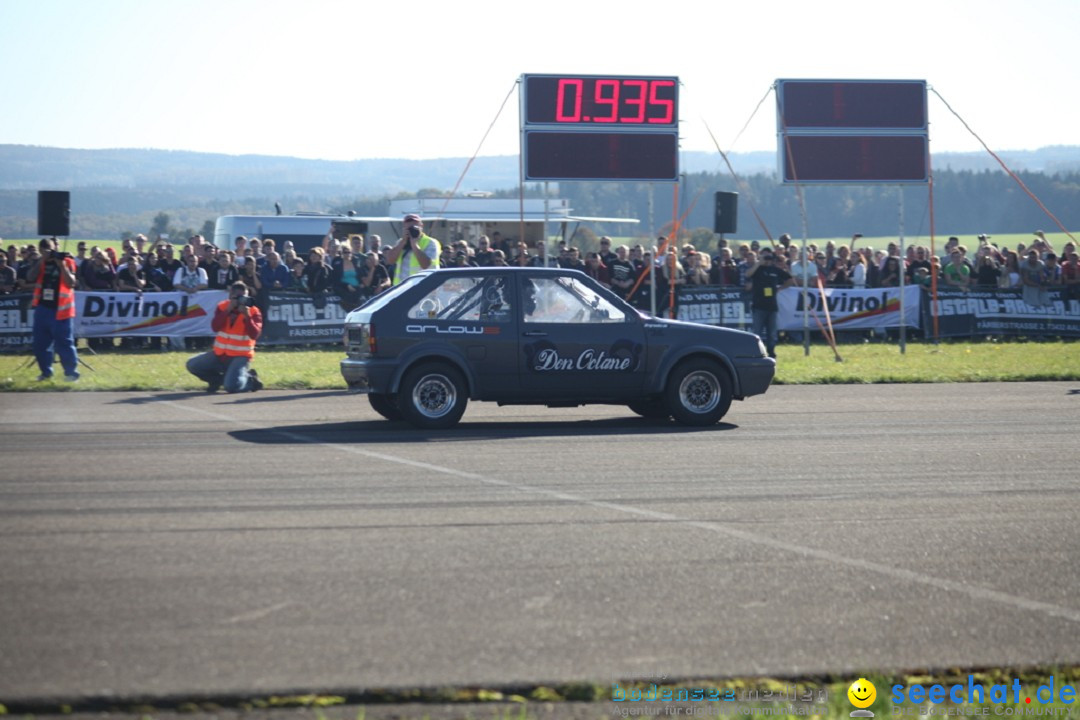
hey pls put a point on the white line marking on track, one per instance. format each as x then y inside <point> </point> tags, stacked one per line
<point>256,614</point>
<point>972,591</point>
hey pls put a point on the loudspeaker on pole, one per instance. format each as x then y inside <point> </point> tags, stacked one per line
<point>54,212</point>
<point>727,212</point>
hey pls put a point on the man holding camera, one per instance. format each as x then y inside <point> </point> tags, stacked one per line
<point>415,251</point>
<point>54,311</point>
<point>238,324</point>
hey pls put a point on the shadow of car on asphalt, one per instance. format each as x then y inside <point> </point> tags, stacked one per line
<point>385,432</point>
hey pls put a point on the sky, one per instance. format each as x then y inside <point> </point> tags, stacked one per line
<point>358,79</point>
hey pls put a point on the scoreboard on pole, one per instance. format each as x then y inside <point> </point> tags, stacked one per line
<point>853,131</point>
<point>599,127</point>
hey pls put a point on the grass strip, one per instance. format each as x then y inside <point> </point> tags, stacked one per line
<point>870,363</point>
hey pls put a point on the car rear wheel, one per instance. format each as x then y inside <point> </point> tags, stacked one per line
<point>653,408</point>
<point>432,396</point>
<point>385,405</point>
<point>698,392</point>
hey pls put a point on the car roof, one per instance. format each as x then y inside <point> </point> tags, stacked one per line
<point>490,269</point>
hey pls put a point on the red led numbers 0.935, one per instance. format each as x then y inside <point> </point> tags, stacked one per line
<point>588,100</point>
<point>614,101</point>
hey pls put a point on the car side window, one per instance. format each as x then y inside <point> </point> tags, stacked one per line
<point>566,300</point>
<point>478,299</point>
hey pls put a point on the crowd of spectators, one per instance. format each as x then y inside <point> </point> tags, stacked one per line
<point>197,265</point>
<point>1035,268</point>
<point>356,268</point>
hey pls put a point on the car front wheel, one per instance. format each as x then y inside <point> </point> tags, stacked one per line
<point>432,396</point>
<point>698,393</point>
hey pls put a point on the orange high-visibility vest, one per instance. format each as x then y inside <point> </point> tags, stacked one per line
<point>65,299</point>
<point>233,340</point>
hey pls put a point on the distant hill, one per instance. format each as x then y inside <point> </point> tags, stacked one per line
<point>122,189</point>
<point>225,177</point>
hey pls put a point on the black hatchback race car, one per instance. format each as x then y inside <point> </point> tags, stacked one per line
<point>539,336</point>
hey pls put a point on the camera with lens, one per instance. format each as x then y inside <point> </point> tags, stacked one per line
<point>244,301</point>
<point>414,232</point>
<point>57,255</point>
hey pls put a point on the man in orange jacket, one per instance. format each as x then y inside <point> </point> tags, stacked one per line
<point>238,324</point>
<point>54,311</point>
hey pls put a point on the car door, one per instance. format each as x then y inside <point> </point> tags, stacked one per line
<point>474,313</point>
<point>576,342</point>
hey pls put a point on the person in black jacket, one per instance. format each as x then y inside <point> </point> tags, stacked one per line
<point>317,273</point>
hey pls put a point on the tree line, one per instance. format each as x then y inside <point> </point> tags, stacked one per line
<point>965,202</point>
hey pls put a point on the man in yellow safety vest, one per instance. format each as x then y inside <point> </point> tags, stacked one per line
<point>415,251</point>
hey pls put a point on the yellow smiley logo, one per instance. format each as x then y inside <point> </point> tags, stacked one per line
<point>862,693</point>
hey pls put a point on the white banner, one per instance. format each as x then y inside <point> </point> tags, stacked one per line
<point>849,309</point>
<point>128,314</point>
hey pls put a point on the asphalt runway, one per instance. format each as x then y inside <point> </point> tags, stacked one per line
<point>171,545</point>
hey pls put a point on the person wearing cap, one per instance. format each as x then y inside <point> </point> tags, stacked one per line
<point>415,251</point>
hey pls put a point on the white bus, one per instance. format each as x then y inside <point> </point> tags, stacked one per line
<point>305,230</point>
<point>446,219</point>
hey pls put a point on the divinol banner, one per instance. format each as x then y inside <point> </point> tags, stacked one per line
<point>714,305</point>
<point>1003,312</point>
<point>16,334</point>
<point>849,309</point>
<point>125,314</point>
<point>296,318</point>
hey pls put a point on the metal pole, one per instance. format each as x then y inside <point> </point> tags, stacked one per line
<point>652,227</point>
<point>652,283</point>
<point>903,256</point>
<point>805,298</point>
<point>544,235</point>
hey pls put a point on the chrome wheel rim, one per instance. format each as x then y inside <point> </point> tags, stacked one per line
<point>699,392</point>
<point>434,396</point>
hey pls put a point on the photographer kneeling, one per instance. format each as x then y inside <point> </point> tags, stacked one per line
<point>237,323</point>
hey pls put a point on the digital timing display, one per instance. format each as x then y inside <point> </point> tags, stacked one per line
<point>852,131</point>
<point>855,158</point>
<point>601,156</point>
<point>852,104</point>
<point>603,101</point>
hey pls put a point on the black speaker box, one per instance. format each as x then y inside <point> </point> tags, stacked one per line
<point>53,212</point>
<point>727,212</point>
